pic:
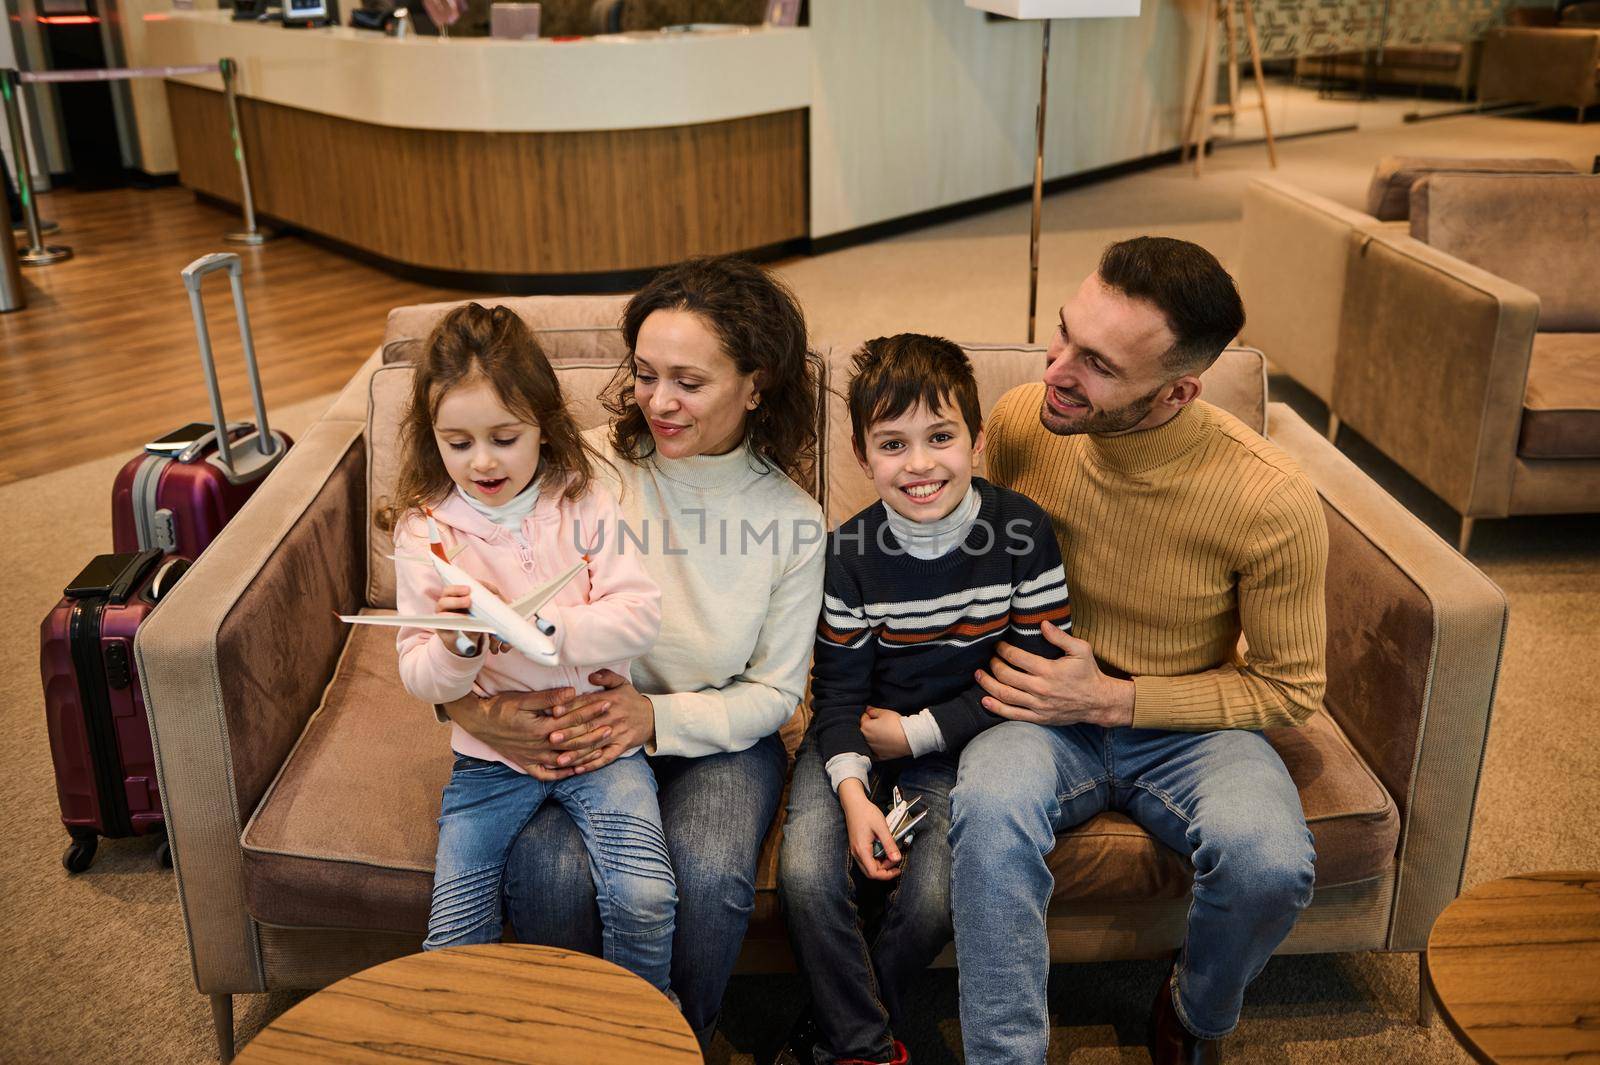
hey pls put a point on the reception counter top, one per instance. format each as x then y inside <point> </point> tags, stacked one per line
<point>620,81</point>
<point>536,165</point>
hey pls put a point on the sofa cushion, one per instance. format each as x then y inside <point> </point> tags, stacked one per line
<point>1561,414</point>
<point>577,317</point>
<point>1540,231</point>
<point>345,835</point>
<point>1236,382</point>
<point>1389,191</point>
<point>1582,16</point>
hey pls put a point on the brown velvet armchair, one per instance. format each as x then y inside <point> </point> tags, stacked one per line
<point>1469,349</point>
<point>1557,62</point>
<point>301,782</point>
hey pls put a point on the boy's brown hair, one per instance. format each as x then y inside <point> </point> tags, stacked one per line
<point>470,342</point>
<point>894,374</point>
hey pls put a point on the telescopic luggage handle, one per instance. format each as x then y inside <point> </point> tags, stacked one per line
<point>266,443</point>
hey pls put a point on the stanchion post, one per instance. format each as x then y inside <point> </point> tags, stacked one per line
<point>251,234</point>
<point>1038,183</point>
<point>38,253</point>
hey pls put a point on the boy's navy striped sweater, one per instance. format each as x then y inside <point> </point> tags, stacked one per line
<point>907,634</point>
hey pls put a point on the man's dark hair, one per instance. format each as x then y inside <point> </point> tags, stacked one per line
<point>894,374</point>
<point>1188,286</point>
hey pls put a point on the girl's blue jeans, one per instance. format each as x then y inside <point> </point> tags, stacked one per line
<point>486,805</point>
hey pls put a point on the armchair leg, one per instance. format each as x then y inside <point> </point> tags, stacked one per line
<point>1466,536</point>
<point>222,1020</point>
<point>1333,428</point>
<point>1582,110</point>
<point>1426,1011</point>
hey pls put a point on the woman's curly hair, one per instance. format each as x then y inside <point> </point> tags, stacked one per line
<point>761,329</point>
<point>471,342</point>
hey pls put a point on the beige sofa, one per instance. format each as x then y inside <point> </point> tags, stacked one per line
<point>1469,349</point>
<point>1295,259</point>
<point>301,782</point>
<point>1555,65</point>
<point>1442,64</point>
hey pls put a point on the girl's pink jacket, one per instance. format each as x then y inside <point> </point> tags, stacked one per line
<point>609,613</point>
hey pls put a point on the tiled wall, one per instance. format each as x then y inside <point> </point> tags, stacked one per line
<point>1290,28</point>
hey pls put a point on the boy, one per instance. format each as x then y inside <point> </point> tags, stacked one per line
<point>920,588</point>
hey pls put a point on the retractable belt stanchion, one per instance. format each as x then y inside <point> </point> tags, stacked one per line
<point>251,234</point>
<point>40,254</point>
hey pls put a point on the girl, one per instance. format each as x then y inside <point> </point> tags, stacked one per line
<point>495,459</point>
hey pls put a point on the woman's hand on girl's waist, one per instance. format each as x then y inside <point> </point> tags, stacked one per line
<point>537,729</point>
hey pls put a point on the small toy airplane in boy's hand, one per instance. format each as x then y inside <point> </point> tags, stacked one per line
<point>517,623</point>
<point>903,818</point>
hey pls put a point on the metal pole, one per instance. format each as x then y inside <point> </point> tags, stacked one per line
<point>12,297</point>
<point>250,234</point>
<point>1038,184</point>
<point>38,253</point>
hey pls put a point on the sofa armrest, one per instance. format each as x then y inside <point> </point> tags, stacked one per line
<point>1549,66</point>
<point>1415,638</point>
<point>233,662</point>
<point>1293,253</point>
<point>1433,367</point>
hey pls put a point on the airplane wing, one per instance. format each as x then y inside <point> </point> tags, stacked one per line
<point>529,604</point>
<point>458,622</point>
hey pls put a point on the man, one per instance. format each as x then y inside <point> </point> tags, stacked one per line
<point>1180,528</point>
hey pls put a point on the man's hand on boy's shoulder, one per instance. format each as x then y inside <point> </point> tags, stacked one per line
<point>1069,690</point>
<point>885,734</point>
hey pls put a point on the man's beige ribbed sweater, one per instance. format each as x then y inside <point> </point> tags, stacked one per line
<point>1176,539</point>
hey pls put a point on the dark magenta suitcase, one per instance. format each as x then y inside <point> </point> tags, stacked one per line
<point>178,494</point>
<point>94,709</point>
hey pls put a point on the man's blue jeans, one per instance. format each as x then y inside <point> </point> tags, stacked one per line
<point>860,970</point>
<point>1222,799</point>
<point>716,811</point>
<point>486,805</point>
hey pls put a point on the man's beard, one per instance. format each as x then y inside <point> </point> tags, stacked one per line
<point>1117,420</point>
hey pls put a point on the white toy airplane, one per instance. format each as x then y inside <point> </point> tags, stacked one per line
<point>517,623</point>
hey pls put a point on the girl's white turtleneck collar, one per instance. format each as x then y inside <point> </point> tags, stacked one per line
<point>510,514</point>
<point>935,539</point>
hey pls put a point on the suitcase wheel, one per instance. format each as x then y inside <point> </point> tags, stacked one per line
<point>164,855</point>
<point>80,854</point>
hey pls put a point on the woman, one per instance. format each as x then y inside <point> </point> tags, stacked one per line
<point>715,414</point>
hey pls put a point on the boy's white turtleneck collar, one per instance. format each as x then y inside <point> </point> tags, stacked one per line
<point>935,539</point>
<point>510,514</point>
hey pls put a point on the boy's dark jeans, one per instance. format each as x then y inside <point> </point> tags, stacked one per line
<point>860,965</point>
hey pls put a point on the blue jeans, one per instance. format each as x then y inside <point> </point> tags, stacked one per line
<point>485,807</point>
<point>859,980</point>
<point>1221,799</point>
<point>715,810</point>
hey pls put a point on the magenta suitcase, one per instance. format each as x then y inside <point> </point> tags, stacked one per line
<point>94,708</point>
<point>178,494</point>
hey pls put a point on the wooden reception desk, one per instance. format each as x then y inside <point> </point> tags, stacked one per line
<point>512,165</point>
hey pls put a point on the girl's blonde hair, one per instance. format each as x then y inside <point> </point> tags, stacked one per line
<point>471,342</point>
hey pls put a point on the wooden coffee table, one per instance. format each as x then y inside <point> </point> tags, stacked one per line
<point>483,1004</point>
<point>1514,966</point>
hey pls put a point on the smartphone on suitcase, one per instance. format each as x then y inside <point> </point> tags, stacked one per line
<point>94,707</point>
<point>177,495</point>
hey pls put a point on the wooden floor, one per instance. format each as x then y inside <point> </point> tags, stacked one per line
<point>103,358</point>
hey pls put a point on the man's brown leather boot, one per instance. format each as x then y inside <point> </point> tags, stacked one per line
<point>1173,1044</point>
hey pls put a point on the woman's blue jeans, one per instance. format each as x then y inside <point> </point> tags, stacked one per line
<point>715,811</point>
<point>860,968</point>
<point>485,806</point>
<point>1221,799</point>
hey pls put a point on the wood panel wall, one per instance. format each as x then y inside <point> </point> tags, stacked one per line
<point>507,203</point>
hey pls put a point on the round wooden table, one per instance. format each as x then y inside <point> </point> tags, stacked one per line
<point>482,1004</point>
<point>1514,966</point>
